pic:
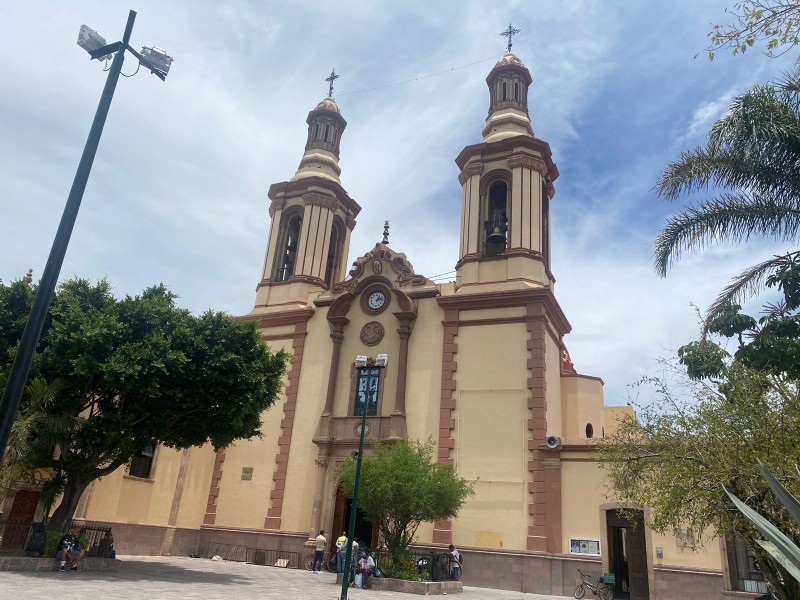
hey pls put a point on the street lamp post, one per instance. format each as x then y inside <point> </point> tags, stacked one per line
<point>363,364</point>
<point>95,45</point>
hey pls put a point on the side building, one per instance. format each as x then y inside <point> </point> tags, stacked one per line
<point>479,365</point>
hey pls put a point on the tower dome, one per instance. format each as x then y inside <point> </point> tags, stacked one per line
<point>321,157</point>
<point>508,85</point>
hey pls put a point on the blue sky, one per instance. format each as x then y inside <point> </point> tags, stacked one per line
<point>178,189</point>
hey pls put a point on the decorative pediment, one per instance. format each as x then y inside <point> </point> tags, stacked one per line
<point>382,261</point>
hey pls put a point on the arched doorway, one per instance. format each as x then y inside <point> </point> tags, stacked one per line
<point>627,554</point>
<point>365,531</point>
<point>23,509</point>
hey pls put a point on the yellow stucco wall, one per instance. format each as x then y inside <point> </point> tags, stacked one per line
<point>245,503</point>
<point>491,427</point>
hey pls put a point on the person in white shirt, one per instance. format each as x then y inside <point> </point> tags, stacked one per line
<point>319,552</point>
<point>367,567</point>
<point>455,564</point>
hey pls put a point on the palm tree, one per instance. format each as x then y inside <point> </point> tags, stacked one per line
<point>751,164</point>
<point>31,419</point>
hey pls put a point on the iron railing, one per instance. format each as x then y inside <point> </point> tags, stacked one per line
<point>273,558</point>
<point>30,536</point>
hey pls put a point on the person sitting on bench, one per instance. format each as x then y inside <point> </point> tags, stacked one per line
<point>69,549</point>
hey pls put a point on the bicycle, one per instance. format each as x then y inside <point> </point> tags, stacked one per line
<point>308,561</point>
<point>601,590</point>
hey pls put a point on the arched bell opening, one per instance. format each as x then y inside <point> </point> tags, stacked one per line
<point>496,222</point>
<point>288,244</point>
<point>333,260</point>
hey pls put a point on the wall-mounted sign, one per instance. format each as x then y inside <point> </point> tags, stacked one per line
<point>591,547</point>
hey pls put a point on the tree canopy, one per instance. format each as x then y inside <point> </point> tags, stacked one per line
<point>401,487</point>
<point>139,372</point>
<point>697,437</point>
<point>751,168</point>
<point>774,23</point>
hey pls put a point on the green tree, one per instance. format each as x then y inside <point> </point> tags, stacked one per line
<point>697,437</point>
<point>16,300</point>
<point>401,487</point>
<point>751,165</point>
<point>137,372</point>
<point>776,22</point>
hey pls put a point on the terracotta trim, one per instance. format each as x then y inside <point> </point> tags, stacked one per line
<point>278,319</point>
<point>273,518</point>
<point>404,332</point>
<point>498,321</point>
<point>337,325</point>
<point>509,145</point>
<point>442,530</point>
<point>281,336</point>
<point>473,168</point>
<point>540,296</point>
<point>213,491</point>
<point>544,468</point>
<point>579,376</point>
<point>532,254</point>
<point>306,184</point>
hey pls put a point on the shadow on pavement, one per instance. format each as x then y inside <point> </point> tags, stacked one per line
<point>139,570</point>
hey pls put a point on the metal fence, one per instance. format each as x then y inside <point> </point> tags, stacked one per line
<point>273,558</point>
<point>230,552</point>
<point>16,536</point>
<point>433,565</point>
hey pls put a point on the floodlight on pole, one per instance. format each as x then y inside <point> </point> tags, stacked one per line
<point>90,40</point>
<point>96,46</point>
<point>362,364</point>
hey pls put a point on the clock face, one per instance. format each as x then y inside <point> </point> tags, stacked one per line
<point>376,300</point>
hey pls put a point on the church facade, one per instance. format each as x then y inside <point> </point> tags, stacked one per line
<point>478,365</point>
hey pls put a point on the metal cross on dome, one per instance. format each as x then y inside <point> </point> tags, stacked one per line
<point>509,33</point>
<point>330,79</point>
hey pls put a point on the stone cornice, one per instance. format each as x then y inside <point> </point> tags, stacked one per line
<point>477,151</point>
<point>305,185</point>
<point>505,299</point>
<point>277,319</point>
<point>528,162</point>
<point>472,168</point>
<point>316,199</point>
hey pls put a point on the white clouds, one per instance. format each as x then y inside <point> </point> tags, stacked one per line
<point>178,191</point>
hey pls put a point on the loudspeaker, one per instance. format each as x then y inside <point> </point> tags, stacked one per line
<point>553,442</point>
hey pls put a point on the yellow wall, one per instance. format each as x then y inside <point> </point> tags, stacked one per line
<point>245,503</point>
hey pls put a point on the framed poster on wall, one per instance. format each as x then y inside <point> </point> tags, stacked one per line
<point>590,547</point>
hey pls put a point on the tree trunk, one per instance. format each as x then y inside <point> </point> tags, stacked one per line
<point>69,502</point>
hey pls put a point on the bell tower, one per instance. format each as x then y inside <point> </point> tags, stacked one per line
<point>312,218</point>
<point>507,186</point>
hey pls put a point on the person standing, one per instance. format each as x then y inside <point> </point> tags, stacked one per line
<point>319,552</point>
<point>455,562</point>
<point>341,552</point>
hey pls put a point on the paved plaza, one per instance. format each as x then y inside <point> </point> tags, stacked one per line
<point>167,578</point>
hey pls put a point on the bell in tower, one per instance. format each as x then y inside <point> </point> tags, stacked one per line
<point>312,217</point>
<point>506,191</point>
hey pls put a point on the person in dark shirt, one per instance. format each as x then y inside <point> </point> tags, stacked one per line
<point>69,550</point>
